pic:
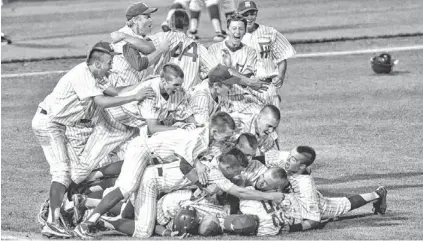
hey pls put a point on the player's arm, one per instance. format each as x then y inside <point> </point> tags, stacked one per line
<point>304,225</point>
<point>199,104</point>
<point>154,126</point>
<point>162,231</point>
<point>142,45</point>
<point>281,50</point>
<point>138,62</point>
<point>244,193</point>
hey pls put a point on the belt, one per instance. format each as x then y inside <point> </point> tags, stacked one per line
<point>160,171</point>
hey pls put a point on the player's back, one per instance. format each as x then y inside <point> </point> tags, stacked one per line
<point>186,53</point>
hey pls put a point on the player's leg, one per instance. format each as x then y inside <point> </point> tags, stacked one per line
<point>334,207</point>
<point>136,160</point>
<point>229,8</point>
<point>104,139</point>
<point>53,142</point>
<point>146,204</point>
<point>195,7</point>
<point>214,11</point>
<point>176,5</point>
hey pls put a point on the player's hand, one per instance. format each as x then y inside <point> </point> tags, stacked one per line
<point>201,172</point>
<point>259,86</point>
<point>277,197</point>
<point>175,234</point>
<point>278,81</point>
<point>117,36</point>
<point>145,93</point>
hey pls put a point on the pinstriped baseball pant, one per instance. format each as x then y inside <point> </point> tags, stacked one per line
<point>52,138</point>
<point>334,207</point>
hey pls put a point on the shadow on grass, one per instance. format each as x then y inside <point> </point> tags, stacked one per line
<point>367,220</point>
<point>367,176</point>
<point>42,46</point>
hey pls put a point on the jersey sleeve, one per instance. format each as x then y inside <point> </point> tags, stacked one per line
<point>207,60</point>
<point>305,189</point>
<point>157,38</point>
<point>199,104</point>
<point>281,48</point>
<point>253,171</point>
<point>216,177</point>
<point>134,58</point>
<point>251,62</point>
<point>85,85</point>
<point>276,158</point>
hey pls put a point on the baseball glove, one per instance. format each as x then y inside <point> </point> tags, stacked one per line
<point>186,221</point>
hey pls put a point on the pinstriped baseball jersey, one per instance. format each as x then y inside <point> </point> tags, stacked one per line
<point>70,100</point>
<point>271,47</point>
<point>247,123</point>
<point>190,55</point>
<point>166,111</point>
<point>244,60</point>
<point>202,103</point>
<point>253,171</point>
<point>164,179</point>
<point>162,145</point>
<point>272,216</point>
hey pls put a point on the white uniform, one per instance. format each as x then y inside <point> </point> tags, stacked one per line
<point>190,55</point>
<point>70,101</point>
<point>316,206</point>
<point>244,60</point>
<point>247,123</point>
<point>166,178</point>
<point>202,103</point>
<point>272,216</point>
<point>170,204</point>
<point>109,134</point>
<point>271,47</point>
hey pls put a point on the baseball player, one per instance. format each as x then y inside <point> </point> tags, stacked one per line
<point>316,206</point>
<point>272,48</point>
<point>169,177</point>
<point>110,133</point>
<point>242,61</point>
<point>160,148</point>
<point>190,55</point>
<point>262,125</point>
<point>152,115</point>
<point>71,101</point>
<point>211,95</point>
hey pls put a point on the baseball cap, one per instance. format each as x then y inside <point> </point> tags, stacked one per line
<point>104,47</point>
<point>138,8</point>
<point>246,6</point>
<point>220,73</point>
<point>241,224</point>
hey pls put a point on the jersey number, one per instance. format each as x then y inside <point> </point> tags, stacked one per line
<point>178,52</point>
<point>268,207</point>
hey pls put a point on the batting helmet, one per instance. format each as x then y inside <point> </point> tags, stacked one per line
<point>383,63</point>
<point>242,224</point>
<point>186,221</point>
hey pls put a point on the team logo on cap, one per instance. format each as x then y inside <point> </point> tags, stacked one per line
<point>247,4</point>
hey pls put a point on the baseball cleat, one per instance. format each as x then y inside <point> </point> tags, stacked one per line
<point>78,207</point>
<point>219,37</point>
<point>82,231</point>
<point>54,230</point>
<point>380,206</point>
<point>43,214</point>
<point>165,26</point>
<point>193,35</point>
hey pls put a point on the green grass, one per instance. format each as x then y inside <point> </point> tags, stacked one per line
<point>367,130</point>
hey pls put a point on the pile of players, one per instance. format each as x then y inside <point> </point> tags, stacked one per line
<point>157,134</point>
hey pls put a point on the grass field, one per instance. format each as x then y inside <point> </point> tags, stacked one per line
<point>366,128</point>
